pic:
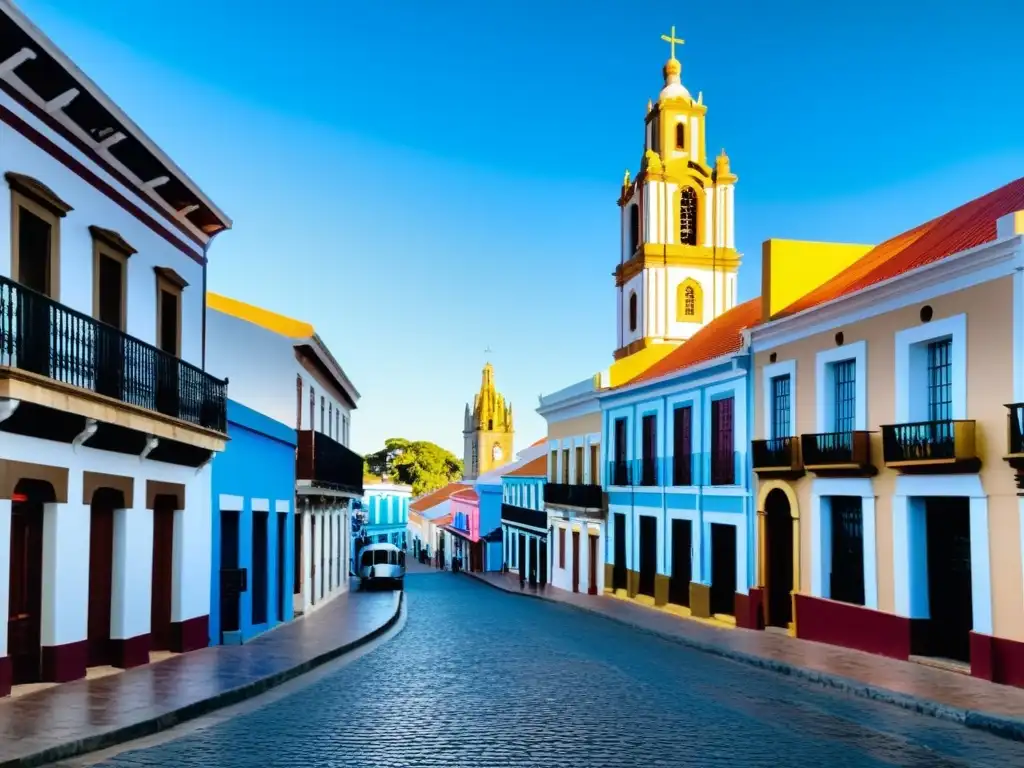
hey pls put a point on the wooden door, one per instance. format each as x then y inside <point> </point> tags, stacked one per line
<point>26,592</point>
<point>297,575</point>
<point>163,559</point>
<point>312,559</point>
<point>592,571</point>
<point>575,561</point>
<point>282,527</point>
<point>101,566</point>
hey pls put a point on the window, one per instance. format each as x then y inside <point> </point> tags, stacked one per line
<point>561,547</point>
<point>940,380</point>
<point>680,135</point>
<point>169,286</point>
<point>620,471</point>
<point>323,405</point>
<point>689,301</point>
<point>298,397</point>
<point>634,229</point>
<point>35,234</point>
<point>632,311</point>
<point>781,416</point>
<point>682,446</point>
<point>846,582</point>
<point>649,446</point>
<point>844,377</point>
<point>688,216</point>
<point>554,466</point>
<point>110,277</point>
<point>595,464</point>
<point>689,307</point>
<point>723,468</point>
<point>565,466</point>
<point>475,462</point>
<point>579,465</point>
<point>656,135</point>
<point>312,409</point>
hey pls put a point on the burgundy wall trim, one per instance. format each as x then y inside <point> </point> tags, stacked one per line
<point>997,659</point>
<point>852,626</point>
<point>749,614</point>
<point>5,676</point>
<point>130,652</point>
<point>190,635</point>
<point>84,173</point>
<point>64,663</point>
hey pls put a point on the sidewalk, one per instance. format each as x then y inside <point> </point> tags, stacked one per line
<point>88,715</point>
<point>998,709</point>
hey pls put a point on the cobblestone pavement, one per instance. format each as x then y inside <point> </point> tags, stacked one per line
<point>483,679</point>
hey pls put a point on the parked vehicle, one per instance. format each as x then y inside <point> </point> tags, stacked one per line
<point>381,565</point>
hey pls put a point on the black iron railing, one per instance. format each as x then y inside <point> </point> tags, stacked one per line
<point>523,516</point>
<point>1015,429</point>
<point>44,337</point>
<point>583,496</point>
<point>836,449</point>
<point>776,453</point>
<point>924,441</point>
<point>327,463</point>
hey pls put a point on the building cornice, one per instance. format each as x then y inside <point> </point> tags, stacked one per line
<point>989,261</point>
<point>729,359</point>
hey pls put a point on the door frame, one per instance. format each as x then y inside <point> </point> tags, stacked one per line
<point>762,543</point>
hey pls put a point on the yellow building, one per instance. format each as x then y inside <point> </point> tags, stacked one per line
<point>488,429</point>
<point>888,518</point>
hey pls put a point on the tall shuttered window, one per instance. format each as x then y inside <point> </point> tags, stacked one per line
<point>844,375</point>
<point>940,386</point>
<point>781,415</point>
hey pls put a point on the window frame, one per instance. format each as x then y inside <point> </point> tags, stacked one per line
<point>911,367</point>
<point>768,373</point>
<point>39,200</point>
<point>686,192</point>
<point>634,311</point>
<point>100,248</point>
<point>825,385</point>
<point>167,284</point>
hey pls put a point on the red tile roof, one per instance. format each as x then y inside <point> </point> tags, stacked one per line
<point>432,499</point>
<point>968,226</point>
<point>468,494</point>
<point>537,467</point>
<point>539,442</point>
<point>719,337</point>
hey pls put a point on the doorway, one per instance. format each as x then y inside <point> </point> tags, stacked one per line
<point>951,611</point>
<point>533,562</point>
<point>521,562</point>
<point>230,588</point>
<point>779,559</point>
<point>576,561</point>
<point>330,553</point>
<point>619,580</point>
<point>163,560</point>
<point>312,559</point>
<point>282,527</point>
<point>543,562</point>
<point>297,555</point>
<point>25,606</point>
<point>592,563</point>
<point>101,572</point>
<point>723,569</point>
<point>260,524</point>
<point>648,554</point>
<point>682,563</point>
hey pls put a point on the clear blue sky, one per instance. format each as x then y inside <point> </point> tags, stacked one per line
<point>423,179</point>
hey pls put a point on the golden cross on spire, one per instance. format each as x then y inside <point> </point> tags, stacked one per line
<point>671,39</point>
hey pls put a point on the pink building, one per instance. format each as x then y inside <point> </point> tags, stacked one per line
<point>464,530</point>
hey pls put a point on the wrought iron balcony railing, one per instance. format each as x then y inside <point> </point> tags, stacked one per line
<point>533,518</point>
<point>582,496</point>
<point>779,455</point>
<point>44,337</point>
<point>327,463</point>
<point>620,472</point>
<point>930,445</point>
<point>832,452</point>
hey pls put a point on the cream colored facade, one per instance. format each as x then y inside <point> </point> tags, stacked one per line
<point>975,300</point>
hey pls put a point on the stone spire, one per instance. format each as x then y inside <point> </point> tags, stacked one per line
<point>491,412</point>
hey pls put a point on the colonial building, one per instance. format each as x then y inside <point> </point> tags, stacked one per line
<point>253,499</point>
<point>386,506</point>
<point>524,526</point>
<point>887,425</point>
<point>574,499</point>
<point>428,514</point>
<point>283,369</point>
<point>108,418</point>
<point>487,430</point>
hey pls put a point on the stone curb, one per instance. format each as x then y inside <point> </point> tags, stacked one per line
<point>197,709</point>
<point>998,725</point>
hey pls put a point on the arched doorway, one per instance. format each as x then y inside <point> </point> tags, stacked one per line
<point>779,559</point>
<point>25,606</point>
<point>101,569</point>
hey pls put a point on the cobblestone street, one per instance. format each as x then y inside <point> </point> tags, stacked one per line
<point>482,679</point>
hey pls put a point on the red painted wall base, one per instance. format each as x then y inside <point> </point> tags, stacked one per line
<point>852,626</point>
<point>749,613</point>
<point>190,635</point>
<point>5,676</point>
<point>997,659</point>
<point>64,663</point>
<point>130,652</point>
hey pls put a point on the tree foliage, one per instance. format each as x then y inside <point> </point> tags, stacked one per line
<point>419,463</point>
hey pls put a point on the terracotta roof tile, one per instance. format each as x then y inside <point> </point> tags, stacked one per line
<point>434,498</point>
<point>537,467</point>
<point>719,337</point>
<point>968,226</point>
<point>467,494</point>
<point>539,442</point>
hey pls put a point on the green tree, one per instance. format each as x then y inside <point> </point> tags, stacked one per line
<point>419,463</point>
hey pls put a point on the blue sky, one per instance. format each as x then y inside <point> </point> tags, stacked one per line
<point>422,180</point>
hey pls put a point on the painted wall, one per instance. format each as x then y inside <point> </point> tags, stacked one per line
<point>91,207</point>
<point>525,492</point>
<point>791,269</point>
<point>256,473</point>
<point>263,368</point>
<point>490,507</point>
<point>985,314</point>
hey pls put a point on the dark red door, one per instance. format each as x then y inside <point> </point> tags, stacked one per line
<point>312,559</point>
<point>163,554</point>
<point>297,576</point>
<point>575,561</point>
<point>592,576</point>
<point>26,595</point>
<point>101,564</point>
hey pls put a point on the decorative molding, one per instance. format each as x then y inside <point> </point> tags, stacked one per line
<point>39,192</point>
<point>112,239</point>
<point>171,277</point>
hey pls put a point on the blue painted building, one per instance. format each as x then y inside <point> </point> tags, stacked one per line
<point>253,528</point>
<point>385,508</point>
<point>681,526</point>
<point>524,523</point>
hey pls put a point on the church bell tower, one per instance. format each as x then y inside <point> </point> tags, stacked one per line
<point>678,264</point>
<point>487,432</point>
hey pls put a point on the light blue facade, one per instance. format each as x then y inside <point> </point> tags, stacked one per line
<point>692,493</point>
<point>490,523</point>
<point>253,481</point>
<point>386,507</point>
<point>526,493</point>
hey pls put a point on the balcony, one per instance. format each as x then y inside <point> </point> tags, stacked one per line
<point>682,469</point>
<point>586,499</point>
<point>43,338</point>
<point>928,447</point>
<point>531,518</point>
<point>328,465</point>
<point>838,454</point>
<point>778,457</point>
<point>648,471</point>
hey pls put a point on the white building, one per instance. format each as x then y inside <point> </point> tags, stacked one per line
<point>283,369</point>
<point>574,499</point>
<point>107,418</point>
